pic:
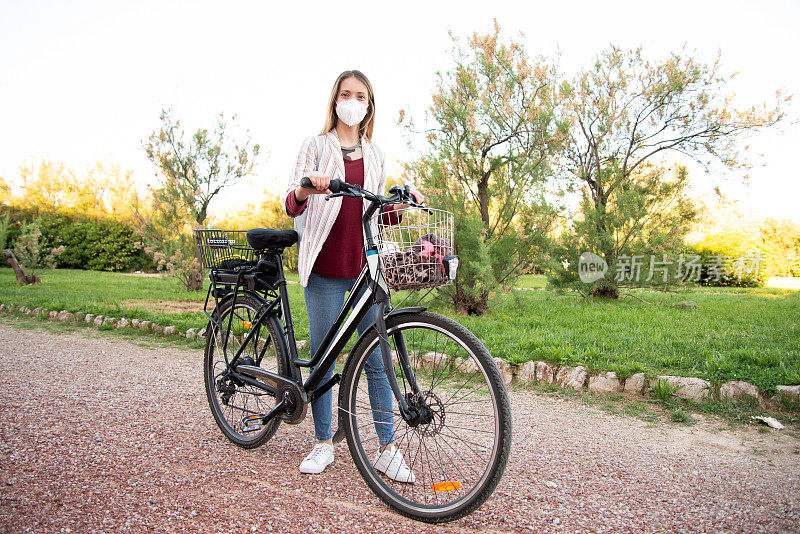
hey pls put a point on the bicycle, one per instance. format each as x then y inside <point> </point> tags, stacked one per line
<point>450,416</point>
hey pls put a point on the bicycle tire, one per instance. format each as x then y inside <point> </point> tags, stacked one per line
<point>459,426</point>
<point>230,403</point>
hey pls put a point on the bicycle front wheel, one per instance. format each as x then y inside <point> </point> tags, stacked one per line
<point>234,404</point>
<point>457,449</point>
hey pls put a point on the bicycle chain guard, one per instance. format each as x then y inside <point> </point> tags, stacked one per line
<point>286,390</point>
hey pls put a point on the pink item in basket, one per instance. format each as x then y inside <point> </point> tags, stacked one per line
<point>415,267</point>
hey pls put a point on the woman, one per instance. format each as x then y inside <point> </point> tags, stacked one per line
<point>331,252</point>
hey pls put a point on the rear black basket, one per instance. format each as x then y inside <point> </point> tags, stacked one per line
<point>224,249</point>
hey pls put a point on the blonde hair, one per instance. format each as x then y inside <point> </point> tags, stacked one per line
<point>331,120</point>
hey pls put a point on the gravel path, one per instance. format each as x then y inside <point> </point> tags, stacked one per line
<point>98,434</point>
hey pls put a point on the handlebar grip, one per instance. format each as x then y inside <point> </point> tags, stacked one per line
<point>335,186</point>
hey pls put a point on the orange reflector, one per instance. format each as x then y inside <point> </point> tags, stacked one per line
<point>248,324</point>
<point>450,485</point>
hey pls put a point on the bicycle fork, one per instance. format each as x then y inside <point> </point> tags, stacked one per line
<point>412,406</point>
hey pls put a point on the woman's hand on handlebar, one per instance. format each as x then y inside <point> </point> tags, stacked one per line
<point>320,183</point>
<point>418,198</point>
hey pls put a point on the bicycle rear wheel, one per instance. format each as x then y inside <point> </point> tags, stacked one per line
<point>234,404</point>
<point>457,454</point>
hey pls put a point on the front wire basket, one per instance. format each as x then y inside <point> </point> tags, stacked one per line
<point>412,247</point>
<point>224,249</point>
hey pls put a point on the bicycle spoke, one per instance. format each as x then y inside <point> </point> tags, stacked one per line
<point>450,440</point>
<point>456,451</point>
<point>472,378</point>
<point>232,402</point>
<point>468,402</point>
<point>477,445</point>
<point>470,413</point>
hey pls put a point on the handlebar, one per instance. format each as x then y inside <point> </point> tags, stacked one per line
<point>340,188</point>
<point>336,185</point>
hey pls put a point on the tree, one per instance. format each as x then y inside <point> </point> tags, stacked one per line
<point>166,236</point>
<point>103,190</point>
<point>650,215</point>
<point>781,239</point>
<point>494,133</point>
<point>196,170</point>
<point>727,230</point>
<point>49,186</point>
<point>626,113</point>
<point>5,191</point>
<point>30,252</point>
<point>106,190</point>
<point>4,227</point>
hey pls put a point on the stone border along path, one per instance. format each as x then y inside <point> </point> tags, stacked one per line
<point>528,373</point>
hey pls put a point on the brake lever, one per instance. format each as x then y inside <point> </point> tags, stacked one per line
<point>344,194</point>
<point>423,207</point>
<point>409,202</point>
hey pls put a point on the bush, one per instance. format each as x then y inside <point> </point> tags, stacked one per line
<point>178,265</point>
<point>4,226</point>
<point>93,244</point>
<point>112,247</point>
<point>32,251</point>
<point>724,268</point>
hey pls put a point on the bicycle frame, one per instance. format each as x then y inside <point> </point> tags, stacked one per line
<point>368,289</point>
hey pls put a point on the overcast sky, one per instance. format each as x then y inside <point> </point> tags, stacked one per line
<point>85,80</point>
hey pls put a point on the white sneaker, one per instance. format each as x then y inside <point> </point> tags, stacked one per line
<point>390,462</point>
<point>321,457</point>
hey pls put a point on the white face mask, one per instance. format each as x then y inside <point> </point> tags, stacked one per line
<point>351,111</point>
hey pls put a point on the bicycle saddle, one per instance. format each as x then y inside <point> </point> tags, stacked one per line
<point>261,238</point>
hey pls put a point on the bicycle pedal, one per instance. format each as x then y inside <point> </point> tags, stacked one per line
<point>251,424</point>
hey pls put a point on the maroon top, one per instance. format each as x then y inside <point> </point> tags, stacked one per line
<point>342,254</point>
<point>294,208</point>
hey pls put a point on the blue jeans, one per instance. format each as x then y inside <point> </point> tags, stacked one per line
<point>324,298</point>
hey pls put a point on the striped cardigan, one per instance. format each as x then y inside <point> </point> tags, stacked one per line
<point>322,213</point>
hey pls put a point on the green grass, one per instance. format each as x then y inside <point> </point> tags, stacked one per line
<point>532,281</point>
<point>734,334</point>
<point>119,295</point>
<point>661,390</point>
<point>679,416</point>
